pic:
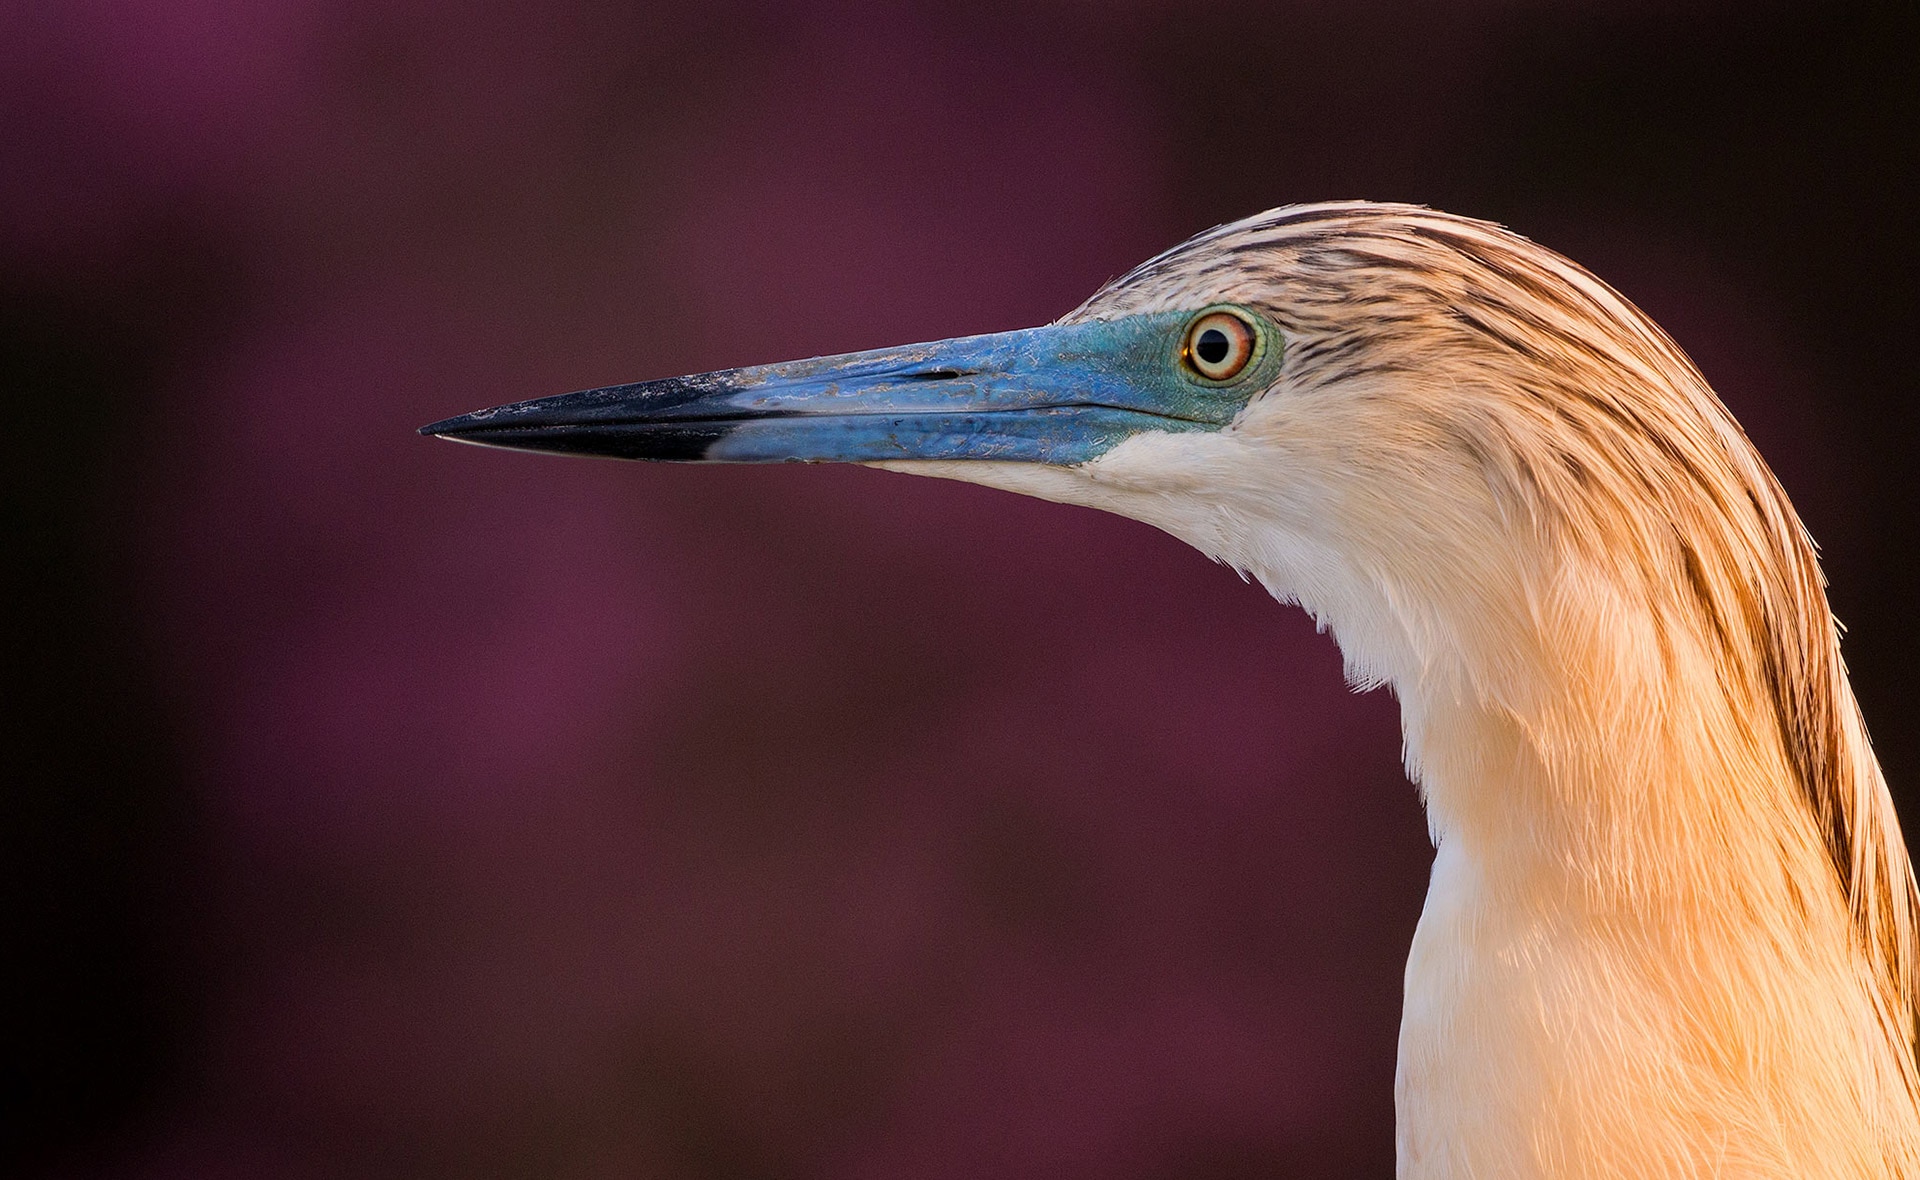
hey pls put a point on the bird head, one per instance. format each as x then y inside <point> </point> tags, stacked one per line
<point>1402,419</point>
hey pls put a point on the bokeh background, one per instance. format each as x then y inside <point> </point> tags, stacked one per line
<point>382,808</point>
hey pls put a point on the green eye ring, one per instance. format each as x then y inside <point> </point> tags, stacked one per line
<point>1220,345</point>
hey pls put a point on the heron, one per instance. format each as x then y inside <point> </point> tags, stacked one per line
<point>1670,928</point>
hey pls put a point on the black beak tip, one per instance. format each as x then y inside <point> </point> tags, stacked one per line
<point>451,427</point>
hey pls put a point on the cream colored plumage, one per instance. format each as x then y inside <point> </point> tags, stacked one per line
<point>1671,928</point>
<point>1671,924</point>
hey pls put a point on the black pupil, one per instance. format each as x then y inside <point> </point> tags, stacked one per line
<point>1212,346</point>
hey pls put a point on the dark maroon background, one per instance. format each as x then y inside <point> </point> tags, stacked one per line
<point>379,807</point>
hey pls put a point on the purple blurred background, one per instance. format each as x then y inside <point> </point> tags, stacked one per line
<point>380,807</point>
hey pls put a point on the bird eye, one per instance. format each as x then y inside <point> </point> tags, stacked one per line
<point>1219,345</point>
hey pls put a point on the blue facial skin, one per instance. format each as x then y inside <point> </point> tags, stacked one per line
<point>1062,394</point>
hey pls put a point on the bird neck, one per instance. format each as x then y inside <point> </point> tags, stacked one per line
<point>1595,750</point>
<point>1590,736</point>
<point>1608,756</point>
<point>1635,935</point>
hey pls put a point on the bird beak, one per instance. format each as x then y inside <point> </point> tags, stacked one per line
<point>1061,394</point>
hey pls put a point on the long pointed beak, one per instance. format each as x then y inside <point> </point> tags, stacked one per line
<point>1060,394</point>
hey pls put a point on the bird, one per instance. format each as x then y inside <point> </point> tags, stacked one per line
<point>1670,927</point>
